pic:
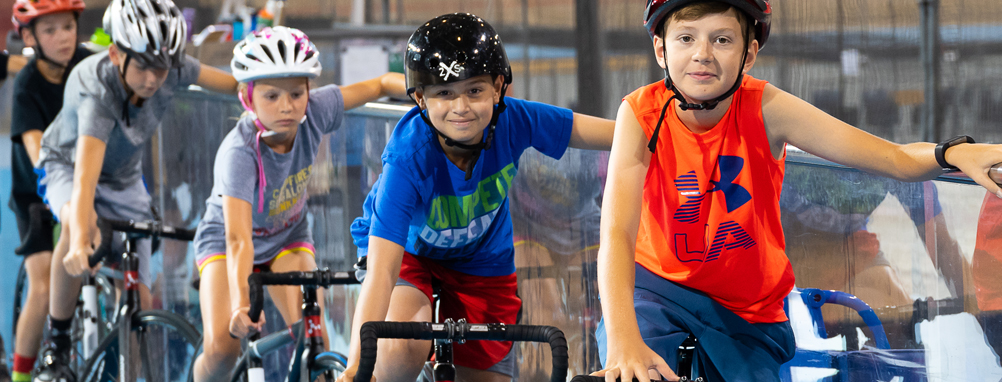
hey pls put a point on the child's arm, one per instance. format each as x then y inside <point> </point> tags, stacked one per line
<point>82,219</point>
<point>591,133</point>
<point>793,120</point>
<point>238,220</point>
<point>383,268</point>
<point>389,84</point>
<point>628,357</point>
<point>216,80</point>
<point>32,140</point>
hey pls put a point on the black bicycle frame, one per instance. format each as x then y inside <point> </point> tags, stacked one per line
<point>134,232</point>
<point>312,320</point>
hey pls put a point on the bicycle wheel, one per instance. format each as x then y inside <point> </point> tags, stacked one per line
<point>166,344</point>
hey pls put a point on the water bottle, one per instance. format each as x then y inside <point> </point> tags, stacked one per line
<point>995,173</point>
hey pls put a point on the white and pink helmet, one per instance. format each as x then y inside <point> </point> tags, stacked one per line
<point>275,52</point>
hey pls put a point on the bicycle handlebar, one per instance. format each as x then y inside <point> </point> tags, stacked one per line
<point>143,229</point>
<point>371,332</point>
<point>588,378</point>
<point>320,278</point>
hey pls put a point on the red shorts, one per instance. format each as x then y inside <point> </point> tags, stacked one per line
<point>478,299</point>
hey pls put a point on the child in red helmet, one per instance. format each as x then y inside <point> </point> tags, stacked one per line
<point>691,231</point>
<point>49,27</point>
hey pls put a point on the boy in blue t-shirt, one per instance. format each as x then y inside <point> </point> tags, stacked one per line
<point>439,213</point>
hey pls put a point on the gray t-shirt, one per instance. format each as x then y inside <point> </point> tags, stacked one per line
<point>235,174</point>
<point>92,106</point>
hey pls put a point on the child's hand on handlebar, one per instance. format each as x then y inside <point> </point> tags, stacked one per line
<point>77,260</point>
<point>241,324</point>
<point>635,361</point>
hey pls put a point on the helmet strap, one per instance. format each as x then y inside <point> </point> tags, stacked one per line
<point>128,92</point>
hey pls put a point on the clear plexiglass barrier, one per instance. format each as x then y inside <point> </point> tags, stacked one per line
<point>923,256</point>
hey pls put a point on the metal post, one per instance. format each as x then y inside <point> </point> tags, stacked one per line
<point>527,75</point>
<point>929,53</point>
<point>589,44</point>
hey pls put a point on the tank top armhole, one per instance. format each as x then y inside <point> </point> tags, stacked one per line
<point>752,91</point>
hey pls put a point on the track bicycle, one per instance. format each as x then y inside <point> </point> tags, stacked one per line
<point>310,362</point>
<point>155,330</point>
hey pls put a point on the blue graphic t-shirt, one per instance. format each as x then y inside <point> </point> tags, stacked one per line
<point>424,203</point>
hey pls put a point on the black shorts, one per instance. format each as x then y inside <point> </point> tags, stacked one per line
<point>35,225</point>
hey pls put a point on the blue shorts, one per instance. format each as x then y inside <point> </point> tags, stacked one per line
<point>729,348</point>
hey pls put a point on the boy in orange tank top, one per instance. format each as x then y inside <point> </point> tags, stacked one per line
<point>690,221</point>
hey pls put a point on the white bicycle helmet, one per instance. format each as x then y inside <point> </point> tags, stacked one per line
<point>151,31</point>
<point>275,52</point>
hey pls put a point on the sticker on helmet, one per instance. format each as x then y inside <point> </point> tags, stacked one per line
<point>451,70</point>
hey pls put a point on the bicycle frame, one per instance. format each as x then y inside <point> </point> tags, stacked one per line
<point>305,365</point>
<point>130,270</point>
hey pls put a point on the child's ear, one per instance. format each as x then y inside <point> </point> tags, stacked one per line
<point>752,56</point>
<point>418,97</point>
<point>498,85</point>
<point>659,51</point>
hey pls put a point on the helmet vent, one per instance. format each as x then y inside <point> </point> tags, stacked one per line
<point>268,52</point>
<point>295,49</point>
<point>281,50</point>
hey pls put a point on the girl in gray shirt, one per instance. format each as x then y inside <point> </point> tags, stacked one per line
<point>256,214</point>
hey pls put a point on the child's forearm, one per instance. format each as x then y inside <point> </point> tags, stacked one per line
<point>393,85</point>
<point>239,265</point>
<point>616,281</point>
<point>383,269</point>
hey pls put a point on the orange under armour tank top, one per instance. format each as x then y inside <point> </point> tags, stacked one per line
<point>710,218</point>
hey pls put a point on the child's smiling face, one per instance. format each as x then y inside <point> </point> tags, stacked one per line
<point>461,110</point>
<point>704,55</point>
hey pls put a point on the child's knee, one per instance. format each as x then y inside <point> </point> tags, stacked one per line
<point>220,352</point>
<point>409,353</point>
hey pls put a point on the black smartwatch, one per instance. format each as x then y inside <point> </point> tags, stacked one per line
<point>942,147</point>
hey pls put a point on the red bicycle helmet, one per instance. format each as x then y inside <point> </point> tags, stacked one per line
<point>759,10</point>
<point>25,11</point>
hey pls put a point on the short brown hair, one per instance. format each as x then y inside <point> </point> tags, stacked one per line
<point>699,10</point>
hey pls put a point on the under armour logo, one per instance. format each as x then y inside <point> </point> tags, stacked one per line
<point>735,195</point>
<point>451,70</point>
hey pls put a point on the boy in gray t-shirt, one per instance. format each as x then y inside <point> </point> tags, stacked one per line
<point>90,161</point>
